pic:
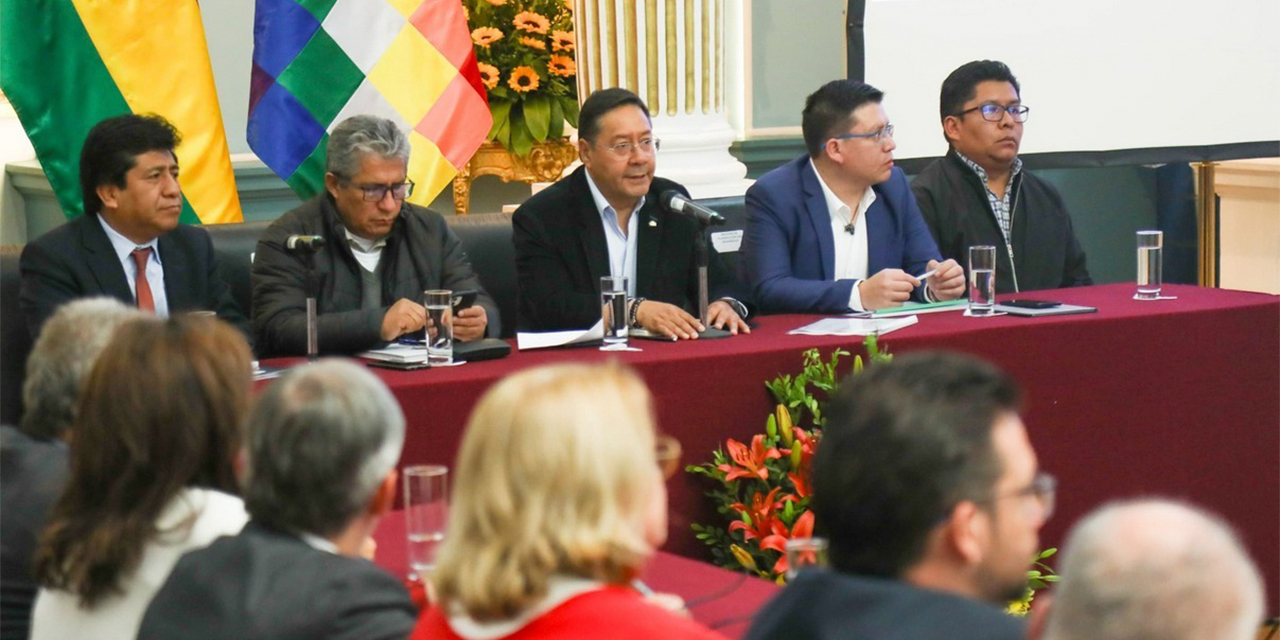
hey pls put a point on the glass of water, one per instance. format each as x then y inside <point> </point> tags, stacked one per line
<point>982,280</point>
<point>439,330</point>
<point>805,552</point>
<point>613,309</point>
<point>426,512</point>
<point>1150,264</point>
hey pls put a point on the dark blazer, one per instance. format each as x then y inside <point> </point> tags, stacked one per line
<point>1046,253</point>
<point>826,605</point>
<point>32,474</point>
<point>266,585</point>
<point>561,254</point>
<point>788,255</point>
<point>76,260</point>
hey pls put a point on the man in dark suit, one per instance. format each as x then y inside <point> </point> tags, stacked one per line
<point>979,194</point>
<point>931,499</point>
<point>838,230</point>
<point>604,219</point>
<point>132,200</point>
<point>323,446</point>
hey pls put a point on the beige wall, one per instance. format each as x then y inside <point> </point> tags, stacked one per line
<point>1249,224</point>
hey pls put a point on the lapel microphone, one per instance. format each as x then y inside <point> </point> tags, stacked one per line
<point>848,228</point>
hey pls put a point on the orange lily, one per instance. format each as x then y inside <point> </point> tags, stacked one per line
<point>750,462</point>
<point>761,513</point>
<point>801,474</point>
<point>803,528</point>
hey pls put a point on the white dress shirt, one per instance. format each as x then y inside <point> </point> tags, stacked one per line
<point>155,271</point>
<point>367,252</point>
<point>622,246</point>
<point>851,250</point>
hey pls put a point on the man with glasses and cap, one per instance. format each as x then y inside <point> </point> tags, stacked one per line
<point>838,230</point>
<point>378,254</point>
<point>979,194</point>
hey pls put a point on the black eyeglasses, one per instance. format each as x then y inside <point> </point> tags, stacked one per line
<point>376,192</point>
<point>992,112</point>
<point>877,136</point>
<point>1043,488</point>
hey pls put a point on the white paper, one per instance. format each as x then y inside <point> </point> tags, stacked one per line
<point>541,340</point>
<point>727,241</point>
<point>853,326</point>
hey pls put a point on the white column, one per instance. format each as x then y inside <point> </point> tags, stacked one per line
<point>671,53</point>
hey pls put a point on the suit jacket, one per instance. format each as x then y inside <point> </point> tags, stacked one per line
<point>827,605</point>
<point>32,474</point>
<point>76,260</point>
<point>1046,253</point>
<point>421,253</point>
<point>788,255</point>
<point>561,254</point>
<point>267,585</point>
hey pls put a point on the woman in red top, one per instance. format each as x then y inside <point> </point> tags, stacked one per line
<point>558,502</point>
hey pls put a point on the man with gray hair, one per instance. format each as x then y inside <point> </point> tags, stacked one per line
<point>1153,569</point>
<point>33,459</point>
<point>379,254</point>
<point>323,445</point>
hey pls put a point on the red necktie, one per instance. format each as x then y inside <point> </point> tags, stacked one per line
<point>145,301</point>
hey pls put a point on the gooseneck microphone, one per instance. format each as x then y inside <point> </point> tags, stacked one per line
<point>674,201</point>
<point>303,244</point>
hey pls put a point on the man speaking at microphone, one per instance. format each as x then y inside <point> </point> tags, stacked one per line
<point>372,253</point>
<point>611,216</point>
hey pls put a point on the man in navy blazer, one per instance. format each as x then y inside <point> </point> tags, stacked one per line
<point>839,230</point>
<point>132,201</point>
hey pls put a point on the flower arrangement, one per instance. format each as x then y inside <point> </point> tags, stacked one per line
<point>524,49</point>
<point>763,488</point>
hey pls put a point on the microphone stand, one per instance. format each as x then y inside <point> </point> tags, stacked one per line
<point>313,334</point>
<point>701,252</point>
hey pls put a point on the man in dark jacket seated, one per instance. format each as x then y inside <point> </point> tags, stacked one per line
<point>929,493</point>
<point>379,255</point>
<point>979,194</point>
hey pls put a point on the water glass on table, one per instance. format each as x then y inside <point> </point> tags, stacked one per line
<point>439,330</point>
<point>426,511</point>
<point>613,310</point>
<point>1150,264</point>
<point>805,552</point>
<point>982,280</point>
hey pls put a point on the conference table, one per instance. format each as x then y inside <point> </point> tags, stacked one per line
<point>1176,398</point>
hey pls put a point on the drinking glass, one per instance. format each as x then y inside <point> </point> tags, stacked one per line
<point>426,511</point>
<point>1150,264</point>
<point>982,280</point>
<point>613,310</point>
<point>439,304</point>
<point>805,552</point>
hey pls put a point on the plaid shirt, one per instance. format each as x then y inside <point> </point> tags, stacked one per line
<point>999,205</point>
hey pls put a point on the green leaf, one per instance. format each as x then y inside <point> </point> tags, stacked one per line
<point>537,116</point>
<point>556,130</point>
<point>570,106</point>
<point>501,112</point>
<point>521,139</point>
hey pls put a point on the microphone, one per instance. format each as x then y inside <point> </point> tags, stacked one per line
<point>303,244</point>
<point>672,200</point>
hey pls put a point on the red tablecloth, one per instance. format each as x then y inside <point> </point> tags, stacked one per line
<point>1176,398</point>
<point>720,599</point>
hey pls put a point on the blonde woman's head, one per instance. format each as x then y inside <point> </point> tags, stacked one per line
<point>556,474</point>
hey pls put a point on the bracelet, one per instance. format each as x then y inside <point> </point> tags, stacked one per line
<point>635,309</point>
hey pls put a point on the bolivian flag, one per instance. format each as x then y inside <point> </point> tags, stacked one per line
<point>65,65</point>
<point>318,62</point>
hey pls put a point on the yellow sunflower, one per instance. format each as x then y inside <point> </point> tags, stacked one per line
<point>533,43</point>
<point>523,79</point>
<point>488,75</point>
<point>497,3</point>
<point>485,36</point>
<point>562,66</point>
<point>531,22</point>
<point>561,40</point>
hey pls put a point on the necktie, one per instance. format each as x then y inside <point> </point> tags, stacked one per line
<point>145,301</point>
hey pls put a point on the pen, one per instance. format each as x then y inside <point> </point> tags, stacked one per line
<point>926,274</point>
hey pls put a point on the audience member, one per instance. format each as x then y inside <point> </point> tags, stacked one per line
<point>132,202</point>
<point>379,254</point>
<point>929,493</point>
<point>838,230</point>
<point>605,219</point>
<point>156,433</point>
<point>1153,569</point>
<point>323,445</point>
<point>558,502</point>
<point>33,459</point>
<point>978,194</point>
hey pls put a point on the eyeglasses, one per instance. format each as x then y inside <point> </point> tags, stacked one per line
<point>647,146</point>
<point>876,136</point>
<point>992,112</point>
<point>376,192</point>
<point>1043,488</point>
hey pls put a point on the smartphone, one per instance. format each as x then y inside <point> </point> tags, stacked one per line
<point>463,299</point>
<point>1031,304</point>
